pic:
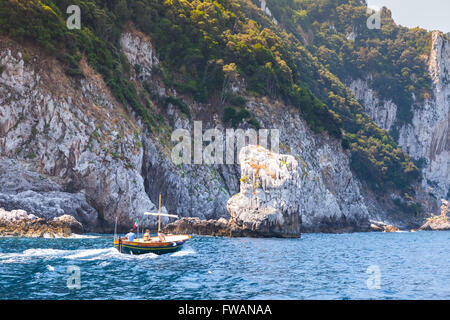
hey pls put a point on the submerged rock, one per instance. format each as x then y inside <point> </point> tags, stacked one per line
<point>20,223</point>
<point>441,222</point>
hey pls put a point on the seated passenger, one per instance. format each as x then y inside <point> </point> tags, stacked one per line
<point>147,235</point>
<point>162,237</point>
<point>130,236</point>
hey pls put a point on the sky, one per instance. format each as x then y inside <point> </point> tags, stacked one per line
<point>427,14</point>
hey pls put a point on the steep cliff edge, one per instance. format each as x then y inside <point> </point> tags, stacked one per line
<point>427,137</point>
<point>75,136</point>
<point>70,140</point>
<point>76,150</point>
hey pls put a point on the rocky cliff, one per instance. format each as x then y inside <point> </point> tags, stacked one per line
<point>75,150</point>
<point>68,147</point>
<point>427,137</point>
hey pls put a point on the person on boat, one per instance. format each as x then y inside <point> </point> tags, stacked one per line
<point>147,235</point>
<point>130,235</point>
<point>162,237</point>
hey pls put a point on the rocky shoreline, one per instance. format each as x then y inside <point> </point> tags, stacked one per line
<point>229,228</point>
<point>439,223</point>
<point>269,205</point>
<point>17,223</point>
<point>218,228</point>
<point>68,147</point>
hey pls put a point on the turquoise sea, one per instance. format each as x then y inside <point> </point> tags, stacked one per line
<point>318,266</point>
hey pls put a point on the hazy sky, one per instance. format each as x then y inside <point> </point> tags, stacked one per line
<point>427,14</point>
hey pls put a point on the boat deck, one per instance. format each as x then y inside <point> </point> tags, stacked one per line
<point>167,238</point>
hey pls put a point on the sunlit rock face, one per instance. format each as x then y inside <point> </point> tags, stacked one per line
<point>332,200</point>
<point>139,51</point>
<point>269,201</point>
<point>285,195</point>
<point>427,137</point>
<point>439,222</point>
<point>20,223</point>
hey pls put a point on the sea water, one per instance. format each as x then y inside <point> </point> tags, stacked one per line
<point>318,266</point>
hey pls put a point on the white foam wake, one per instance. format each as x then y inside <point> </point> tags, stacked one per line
<point>183,252</point>
<point>81,254</point>
<point>82,236</point>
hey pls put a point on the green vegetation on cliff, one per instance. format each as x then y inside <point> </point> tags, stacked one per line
<point>205,45</point>
<point>392,59</point>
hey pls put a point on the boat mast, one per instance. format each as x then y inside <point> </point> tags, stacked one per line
<point>159,214</point>
<point>115,228</point>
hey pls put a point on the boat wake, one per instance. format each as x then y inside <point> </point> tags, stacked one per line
<point>183,252</point>
<point>82,254</point>
<point>82,236</point>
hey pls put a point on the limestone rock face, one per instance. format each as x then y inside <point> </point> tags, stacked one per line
<point>19,223</point>
<point>441,222</point>
<point>37,194</point>
<point>332,200</point>
<point>427,137</point>
<point>197,226</point>
<point>71,136</point>
<point>66,145</point>
<point>140,53</point>
<point>270,191</point>
<point>384,113</point>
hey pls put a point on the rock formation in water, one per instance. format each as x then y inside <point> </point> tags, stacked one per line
<point>19,223</point>
<point>271,201</point>
<point>382,227</point>
<point>268,204</point>
<point>441,222</point>
<point>270,193</point>
<point>217,228</point>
